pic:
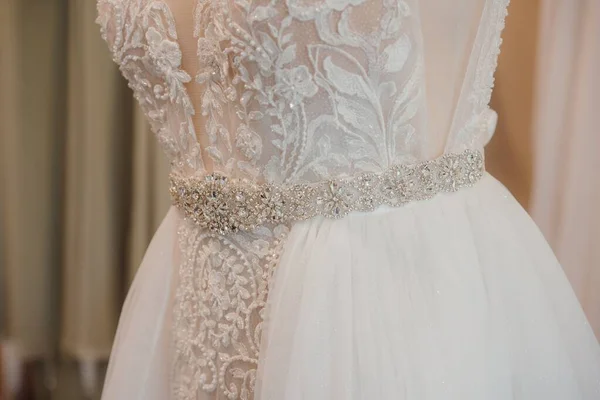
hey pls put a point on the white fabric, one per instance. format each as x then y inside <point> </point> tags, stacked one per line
<point>454,298</point>
<point>472,305</point>
<point>139,364</point>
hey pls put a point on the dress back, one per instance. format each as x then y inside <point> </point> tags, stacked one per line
<point>283,93</point>
<point>305,90</point>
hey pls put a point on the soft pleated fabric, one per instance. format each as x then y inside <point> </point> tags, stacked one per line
<point>458,297</point>
<point>140,361</point>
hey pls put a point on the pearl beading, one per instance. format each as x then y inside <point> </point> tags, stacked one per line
<point>225,205</point>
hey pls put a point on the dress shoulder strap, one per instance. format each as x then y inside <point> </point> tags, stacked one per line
<point>474,122</point>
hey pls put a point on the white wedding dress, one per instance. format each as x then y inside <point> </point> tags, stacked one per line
<point>435,286</point>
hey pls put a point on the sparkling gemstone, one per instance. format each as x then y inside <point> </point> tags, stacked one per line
<point>224,205</point>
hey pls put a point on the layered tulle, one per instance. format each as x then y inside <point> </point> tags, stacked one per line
<point>140,362</point>
<point>458,297</point>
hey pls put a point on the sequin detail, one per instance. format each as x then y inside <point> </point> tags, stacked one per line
<point>223,205</point>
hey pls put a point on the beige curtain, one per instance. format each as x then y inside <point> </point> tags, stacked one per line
<point>31,137</point>
<point>83,189</point>
<point>8,123</point>
<point>509,154</point>
<point>96,191</point>
<point>566,188</point>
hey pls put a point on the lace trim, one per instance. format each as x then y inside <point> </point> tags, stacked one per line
<point>470,134</point>
<point>484,80</point>
<point>142,38</point>
<point>219,310</point>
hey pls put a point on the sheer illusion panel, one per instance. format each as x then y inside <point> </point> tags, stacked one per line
<point>303,90</point>
<point>449,30</point>
<point>306,90</point>
<point>473,122</point>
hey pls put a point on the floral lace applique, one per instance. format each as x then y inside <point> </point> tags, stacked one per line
<point>479,120</point>
<point>322,108</point>
<point>219,310</point>
<point>143,41</point>
<point>252,64</point>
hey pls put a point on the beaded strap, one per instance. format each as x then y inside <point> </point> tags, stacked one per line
<point>223,205</point>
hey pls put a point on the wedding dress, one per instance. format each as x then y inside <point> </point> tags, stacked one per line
<point>333,233</point>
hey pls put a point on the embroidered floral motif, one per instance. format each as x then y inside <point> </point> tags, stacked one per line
<point>294,84</point>
<point>353,75</point>
<point>213,61</point>
<point>143,41</point>
<point>248,142</point>
<point>220,299</point>
<point>163,58</point>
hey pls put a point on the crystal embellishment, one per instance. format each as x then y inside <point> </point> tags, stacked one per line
<point>226,205</point>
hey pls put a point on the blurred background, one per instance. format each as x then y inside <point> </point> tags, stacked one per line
<point>83,185</point>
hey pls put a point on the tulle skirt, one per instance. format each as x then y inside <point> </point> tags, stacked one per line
<point>457,297</point>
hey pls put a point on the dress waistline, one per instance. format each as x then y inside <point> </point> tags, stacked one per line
<point>225,205</point>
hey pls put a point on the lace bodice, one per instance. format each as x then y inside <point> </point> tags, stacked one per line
<point>301,90</point>
<point>289,92</point>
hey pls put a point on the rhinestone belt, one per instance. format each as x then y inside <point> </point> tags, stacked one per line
<point>224,205</point>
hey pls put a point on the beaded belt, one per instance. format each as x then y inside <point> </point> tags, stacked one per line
<point>222,205</point>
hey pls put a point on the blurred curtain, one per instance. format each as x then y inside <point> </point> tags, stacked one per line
<point>566,188</point>
<point>31,137</point>
<point>83,186</point>
<point>509,154</point>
